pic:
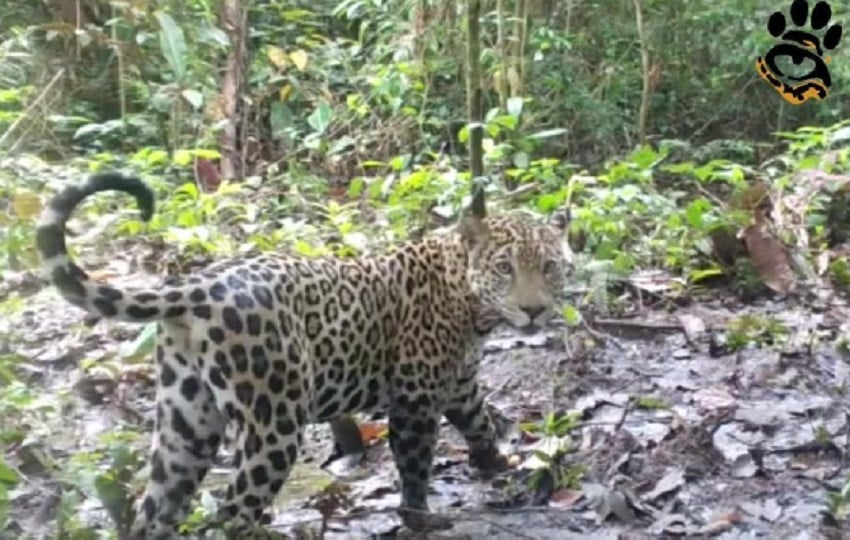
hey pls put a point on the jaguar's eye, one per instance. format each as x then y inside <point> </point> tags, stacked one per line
<point>550,267</point>
<point>504,267</point>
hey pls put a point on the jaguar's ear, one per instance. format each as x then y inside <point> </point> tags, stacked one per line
<point>473,230</point>
<point>560,219</point>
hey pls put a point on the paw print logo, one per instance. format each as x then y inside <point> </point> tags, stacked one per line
<point>800,45</point>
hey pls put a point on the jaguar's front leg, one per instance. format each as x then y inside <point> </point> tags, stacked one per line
<point>413,428</point>
<point>468,413</point>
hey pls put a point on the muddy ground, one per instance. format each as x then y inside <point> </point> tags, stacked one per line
<point>676,434</point>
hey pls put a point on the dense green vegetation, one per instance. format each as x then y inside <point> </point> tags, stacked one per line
<point>340,127</point>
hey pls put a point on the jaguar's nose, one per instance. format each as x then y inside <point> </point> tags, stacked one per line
<point>533,311</point>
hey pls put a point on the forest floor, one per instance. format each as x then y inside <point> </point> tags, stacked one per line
<point>675,432</point>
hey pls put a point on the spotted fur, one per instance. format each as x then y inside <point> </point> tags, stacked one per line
<point>272,343</point>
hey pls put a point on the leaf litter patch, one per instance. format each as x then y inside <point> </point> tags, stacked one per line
<point>675,435</point>
<point>710,422</point>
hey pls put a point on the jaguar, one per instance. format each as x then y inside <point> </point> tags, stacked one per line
<point>267,344</point>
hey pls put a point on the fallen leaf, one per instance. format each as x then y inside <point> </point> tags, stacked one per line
<point>372,432</point>
<point>692,325</point>
<point>768,510</point>
<point>605,502</point>
<point>670,482</point>
<point>565,497</point>
<point>713,398</point>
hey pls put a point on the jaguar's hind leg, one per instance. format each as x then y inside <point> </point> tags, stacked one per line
<point>187,434</point>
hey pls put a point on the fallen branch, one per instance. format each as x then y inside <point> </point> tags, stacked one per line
<point>628,324</point>
<point>36,102</point>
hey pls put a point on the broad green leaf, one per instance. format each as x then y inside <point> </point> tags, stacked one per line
<point>644,157</point>
<point>508,121</point>
<point>355,188</point>
<point>521,160</point>
<point>320,118</point>
<point>679,168</point>
<point>695,213</point>
<point>548,202</point>
<point>182,158</point>
<point>7,474</point>
<point>173,44</point>
<point>281,119</point>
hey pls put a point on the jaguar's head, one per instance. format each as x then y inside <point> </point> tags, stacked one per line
<point>517,268</point>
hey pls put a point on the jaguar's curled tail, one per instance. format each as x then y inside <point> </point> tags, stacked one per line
<point>75,285</point>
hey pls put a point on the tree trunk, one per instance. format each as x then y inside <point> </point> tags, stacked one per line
<point>473,96</point>
<point>235,23</point>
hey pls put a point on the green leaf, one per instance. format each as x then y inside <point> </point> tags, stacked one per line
<point>506,121</point>
<point>7,474</point>
<point>698,275</point>
<point>173,44</point>
<point>571,316</point>
<point>521,160</point>
<point>142,346</point>
<point>182,158</point>
<point>546,133</point>
<point>211,34</point>
<point>281,120</point>
<point>515,106</point>
<point>320,118</point>
<point>678,168</point>
<point>695,213</point>
<point>355,188</point>
<point>548,202</point>
<point>644,157</point>
<point>195,98</point>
